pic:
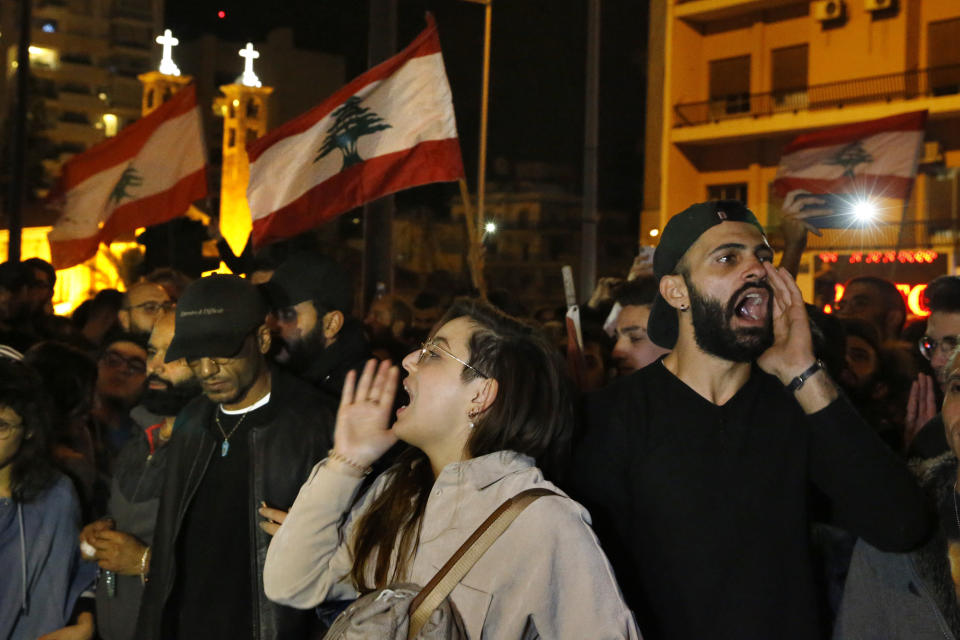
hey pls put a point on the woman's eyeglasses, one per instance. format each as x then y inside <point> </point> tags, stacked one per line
<point>432,348</point>
<point>930,346</point>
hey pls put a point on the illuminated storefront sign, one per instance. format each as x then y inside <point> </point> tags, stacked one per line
<point>912,296</point>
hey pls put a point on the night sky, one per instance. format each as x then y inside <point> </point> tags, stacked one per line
<point>537,76</point>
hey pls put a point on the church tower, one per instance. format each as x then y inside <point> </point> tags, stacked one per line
<point>244,111</point>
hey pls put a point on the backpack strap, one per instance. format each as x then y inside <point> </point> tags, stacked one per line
<point>440,586</point>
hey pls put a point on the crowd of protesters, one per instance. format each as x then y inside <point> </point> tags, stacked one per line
<point>244,457</point>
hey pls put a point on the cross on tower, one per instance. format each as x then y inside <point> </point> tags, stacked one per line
<point>167,66</point>
<point>249,54</point>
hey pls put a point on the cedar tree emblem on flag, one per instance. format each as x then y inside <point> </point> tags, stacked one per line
<point>350,122</point>
<point>129,178</point>
<point>393,128</point>
<point>851,156</point>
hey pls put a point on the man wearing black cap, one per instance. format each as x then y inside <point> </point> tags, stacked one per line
<point>696,468</point>
<point>251,439</point>
<point>311,300</point>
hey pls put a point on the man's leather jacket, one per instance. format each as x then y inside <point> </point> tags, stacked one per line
<point>296,435</point>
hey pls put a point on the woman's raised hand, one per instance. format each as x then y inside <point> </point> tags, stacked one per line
<point>363,432</point>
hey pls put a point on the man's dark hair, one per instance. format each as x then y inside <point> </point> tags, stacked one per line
<point>637,292</point>
<point>943,294</point>
<point>106,299</point>
<point>117,335</point>
<point>13,276</point>
<point>69,376</point>
<point>21,390</point>
<point>888,291</point>
<point>42,265</point>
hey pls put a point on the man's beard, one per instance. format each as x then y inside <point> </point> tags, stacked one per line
<point>712,330</point>
<point>302,353</point>
<point>172,398</point>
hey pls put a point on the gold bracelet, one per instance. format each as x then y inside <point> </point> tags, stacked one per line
<point>350,463</point>
<point>143,566</point>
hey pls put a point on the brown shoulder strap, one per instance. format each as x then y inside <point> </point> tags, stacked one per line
<point>440,586</point>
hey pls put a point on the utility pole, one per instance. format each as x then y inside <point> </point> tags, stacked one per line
<point>588,229</point>
<point>378,215</point>
<point>18,147</point>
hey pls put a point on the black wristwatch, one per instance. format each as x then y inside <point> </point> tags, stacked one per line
<point>797,382</point>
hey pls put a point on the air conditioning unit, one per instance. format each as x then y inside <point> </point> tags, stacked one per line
<point>877,5</point>
<point>827,10</point>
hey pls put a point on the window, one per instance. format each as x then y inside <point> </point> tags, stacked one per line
<point>734,191</point>
<point>943,56</point>
<point>730,86</point>
<point>789,81</point>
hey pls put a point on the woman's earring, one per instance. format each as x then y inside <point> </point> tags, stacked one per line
<point>684,307</point>
<point>472,415</point>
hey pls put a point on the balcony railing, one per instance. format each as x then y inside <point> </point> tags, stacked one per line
<point>935,81</point>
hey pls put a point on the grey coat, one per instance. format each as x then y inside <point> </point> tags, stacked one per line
<point>906,596</point>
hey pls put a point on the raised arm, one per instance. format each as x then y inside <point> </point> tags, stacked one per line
<point>308,561</point>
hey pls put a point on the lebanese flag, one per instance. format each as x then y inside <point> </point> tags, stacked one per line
<point>390,129</point>
<point>878,158</point>
<point>149,173</point>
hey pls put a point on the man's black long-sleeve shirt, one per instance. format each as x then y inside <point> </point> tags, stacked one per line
<point>703,508</point>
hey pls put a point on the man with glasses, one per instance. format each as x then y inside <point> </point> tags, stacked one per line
<point>924,429</point>
<point>251,439</point>
<point>142,305</point>
<point>121,379</point>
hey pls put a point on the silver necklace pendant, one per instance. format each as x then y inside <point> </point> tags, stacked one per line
<point>224,449</point>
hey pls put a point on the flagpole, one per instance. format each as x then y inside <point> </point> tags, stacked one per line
<point>477,247</point>
<point>18,173</point>
<point>377,256</point>
<point>474,242</point>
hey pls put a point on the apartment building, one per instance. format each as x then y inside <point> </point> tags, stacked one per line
<point>733,81</point>
<point>84,58</point>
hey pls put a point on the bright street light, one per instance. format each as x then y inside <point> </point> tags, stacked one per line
<point>864,210</point>
<point>490,227</point>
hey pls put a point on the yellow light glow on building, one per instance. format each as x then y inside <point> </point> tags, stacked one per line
<point>43,57</point>
<point>110,124</point>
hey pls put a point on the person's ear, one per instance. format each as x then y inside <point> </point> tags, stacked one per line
<point>673,289</point>
<point>123,316</point>
<point>485,396</point>
<point>332,323</point>
<point>264,339</point>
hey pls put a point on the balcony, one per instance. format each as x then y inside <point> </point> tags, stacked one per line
<point>750,115</point>
<point>704,11</point>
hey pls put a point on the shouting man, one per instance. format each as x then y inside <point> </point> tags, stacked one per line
<point>696,468</point>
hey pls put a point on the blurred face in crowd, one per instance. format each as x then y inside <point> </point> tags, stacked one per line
<point>862,364</point>
<point>239,380</point>
<point>634,349</point>
<point>12,432</point>
<point>170,385</point>
<point>38,294</point>
<point>865,301</point>
<point>379,317</point>
<point>144,303</point>
<point>122,372</point>
<point>943,329</point>
<point>730,300</point>
<point>951,406</point>
<point>301,334</point>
